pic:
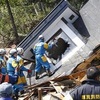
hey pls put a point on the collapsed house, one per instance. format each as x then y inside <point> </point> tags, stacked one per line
<point>78,45</point>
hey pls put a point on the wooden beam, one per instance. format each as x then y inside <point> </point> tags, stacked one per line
<point>87,61</point>
<point>39,94</point>
<point>56,87</point>
<point>57,95</point>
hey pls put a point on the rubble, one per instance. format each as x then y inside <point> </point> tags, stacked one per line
<point>57,88</point>
<point>86,30</point>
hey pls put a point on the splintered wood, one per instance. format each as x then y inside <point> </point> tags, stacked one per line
<point>56,88</point>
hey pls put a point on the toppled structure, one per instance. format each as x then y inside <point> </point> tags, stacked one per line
<point>65,23</point>
<point>62,26</point>
<point>57,88</point>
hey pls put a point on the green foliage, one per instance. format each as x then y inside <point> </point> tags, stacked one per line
<point>77,3</point>
<point>26,13</point>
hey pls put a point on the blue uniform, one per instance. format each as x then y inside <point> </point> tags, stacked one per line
<point>5,98</point>
<point>89,90</point>
<point>41,60</point>
<point>3,64</point>
<point>11,65</point>
<point>22,68</point>
<point>3,61</point>
<point>3,70</point>
<point>12,78</point>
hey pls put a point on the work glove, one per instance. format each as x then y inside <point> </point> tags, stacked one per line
<point>54,44</point>
<point>29,71</point>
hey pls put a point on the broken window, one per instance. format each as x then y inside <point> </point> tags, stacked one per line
<point>62,45</point>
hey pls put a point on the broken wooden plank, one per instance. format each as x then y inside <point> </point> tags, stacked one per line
<point>78,72</point>
<point>47,97</point>
<point>39,94</point>
<point>87,62</point>
<point>57,95</point>
<point>57,87</point>
<point>77,77</point>
<point>47,83</point>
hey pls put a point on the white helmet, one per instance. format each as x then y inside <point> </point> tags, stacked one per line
<point>2,51</point>
<point>6,88</point>
<point>13,51</point>
<point>20,50</point>
<point>41,37</point>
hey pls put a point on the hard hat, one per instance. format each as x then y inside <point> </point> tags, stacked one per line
<point>13,51</point>
<point>41,37</point>
<point>2,51</point>
<point>20,50</point>
<point>6,89</point>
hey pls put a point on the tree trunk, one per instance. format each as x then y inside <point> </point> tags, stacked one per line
<point>12,20</point>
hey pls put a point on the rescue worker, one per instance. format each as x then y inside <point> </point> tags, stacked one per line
<point>4,77</point>
<point>90,88</point>
<point>12,67</point>
<point>6,91</point>
<point>40,58</point>
<point>20,60</point>
<point>8,78</point>
<point>3,69</point>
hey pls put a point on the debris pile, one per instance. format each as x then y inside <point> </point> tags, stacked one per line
<point>57,88</point>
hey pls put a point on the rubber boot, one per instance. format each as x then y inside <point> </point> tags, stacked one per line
<point>49,73</point>
<point>36,75</point>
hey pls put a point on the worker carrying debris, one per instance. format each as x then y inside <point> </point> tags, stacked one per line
<point>40,58</point>
<point>20,60</point>
<point>90,88</point>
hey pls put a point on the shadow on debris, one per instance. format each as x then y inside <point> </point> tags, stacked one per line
<point>53,72</point>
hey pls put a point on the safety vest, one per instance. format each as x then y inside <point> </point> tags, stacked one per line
<point>4,78</point>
